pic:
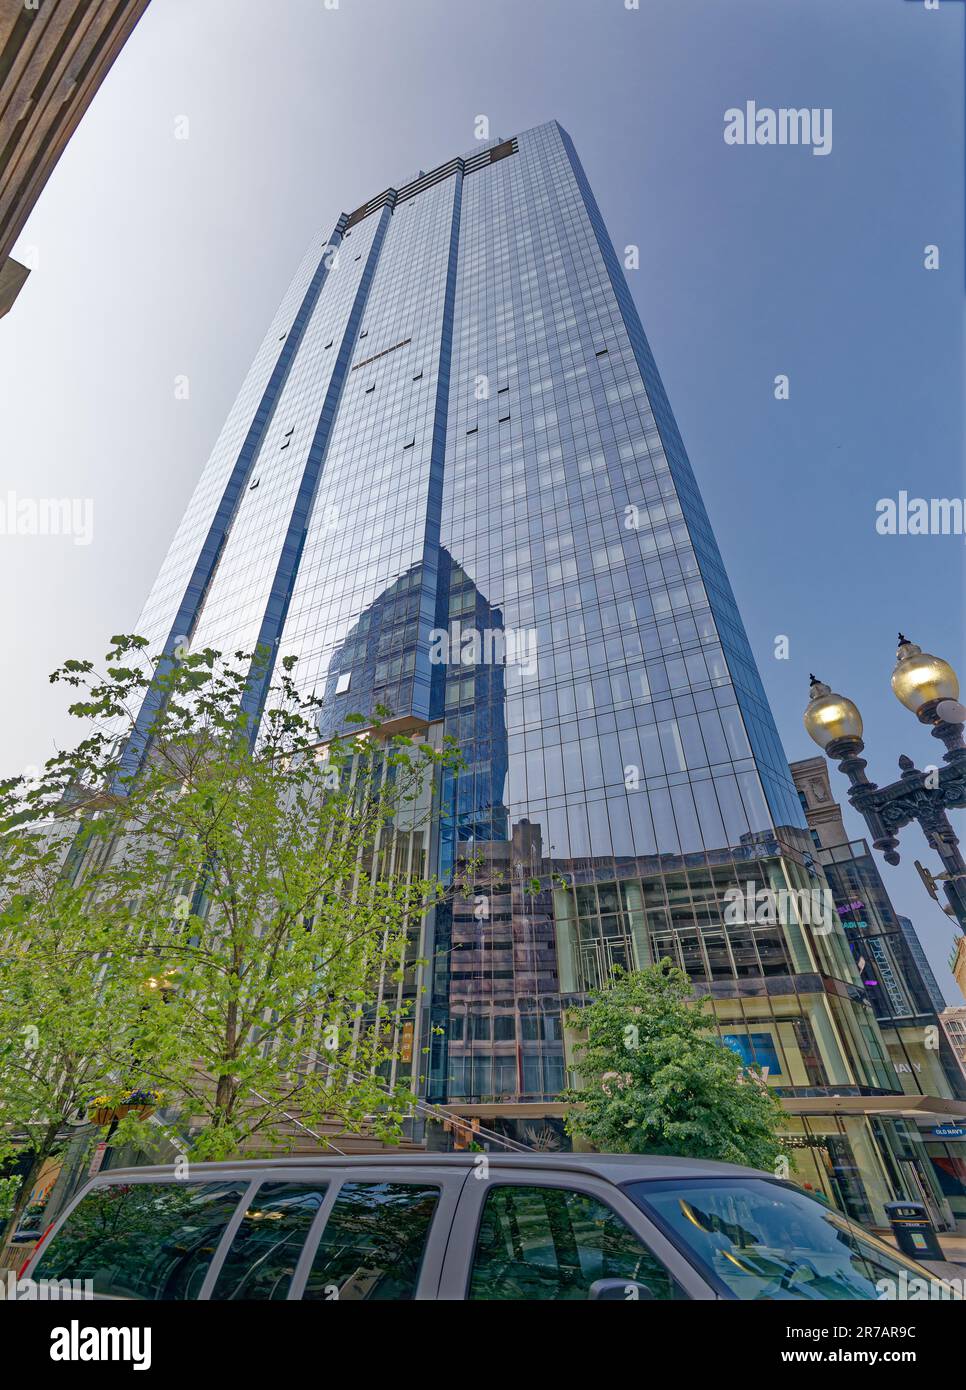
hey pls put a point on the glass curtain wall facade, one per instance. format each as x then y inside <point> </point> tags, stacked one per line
<point>904,995</point>
<point>452,485</point>
<point>894,972</point>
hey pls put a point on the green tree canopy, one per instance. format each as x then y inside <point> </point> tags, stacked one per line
<point>210,918</point>
<point>656,1080</point>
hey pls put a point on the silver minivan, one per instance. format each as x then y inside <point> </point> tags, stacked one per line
<point>462,1226</point>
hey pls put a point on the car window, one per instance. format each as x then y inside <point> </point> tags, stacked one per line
<point>265,1248</point>
<point>551,1242</point>
<point>766,1240</point>
<point>142,1240</point>
<point>373,1243</point>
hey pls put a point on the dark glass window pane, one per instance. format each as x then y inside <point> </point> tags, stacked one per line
<point>373,1242</point>
<point>143,1240</point>
<point>264,1252</point>
<point>552,1243</point>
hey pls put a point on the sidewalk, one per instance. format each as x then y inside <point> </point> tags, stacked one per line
<point>953,1247</point>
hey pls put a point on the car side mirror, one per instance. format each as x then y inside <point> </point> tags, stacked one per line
<point>618,1290</point>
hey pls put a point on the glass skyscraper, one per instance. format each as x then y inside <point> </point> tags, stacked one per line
<point>452,485</point>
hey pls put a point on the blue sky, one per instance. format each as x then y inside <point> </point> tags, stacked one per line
<point>161,257</point>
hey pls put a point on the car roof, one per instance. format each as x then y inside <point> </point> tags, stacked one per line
<point>616,1168</point>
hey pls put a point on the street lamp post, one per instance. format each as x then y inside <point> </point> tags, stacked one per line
<point>927,686</point>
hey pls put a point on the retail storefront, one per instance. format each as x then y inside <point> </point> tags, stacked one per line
<point>855,1152</point>
<point>862,1151</point>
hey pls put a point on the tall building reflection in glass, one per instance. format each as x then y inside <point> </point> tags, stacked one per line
<point>455,424</point>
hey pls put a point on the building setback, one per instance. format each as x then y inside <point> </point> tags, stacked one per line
<point>455,426</point>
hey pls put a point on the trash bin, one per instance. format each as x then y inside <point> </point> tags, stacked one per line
<point>913,1230</point>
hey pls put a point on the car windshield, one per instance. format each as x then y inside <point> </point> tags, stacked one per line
<point>759,1239</point>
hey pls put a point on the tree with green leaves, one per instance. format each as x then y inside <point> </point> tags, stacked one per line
<point>249,899</point>
<point>68,996</point>
<point>655,1079</point>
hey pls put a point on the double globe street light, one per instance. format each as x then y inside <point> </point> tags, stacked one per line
<point>929,687</point>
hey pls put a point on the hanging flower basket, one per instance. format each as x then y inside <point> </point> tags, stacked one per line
<point>104,1111</point>
<point>139,1103</point>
